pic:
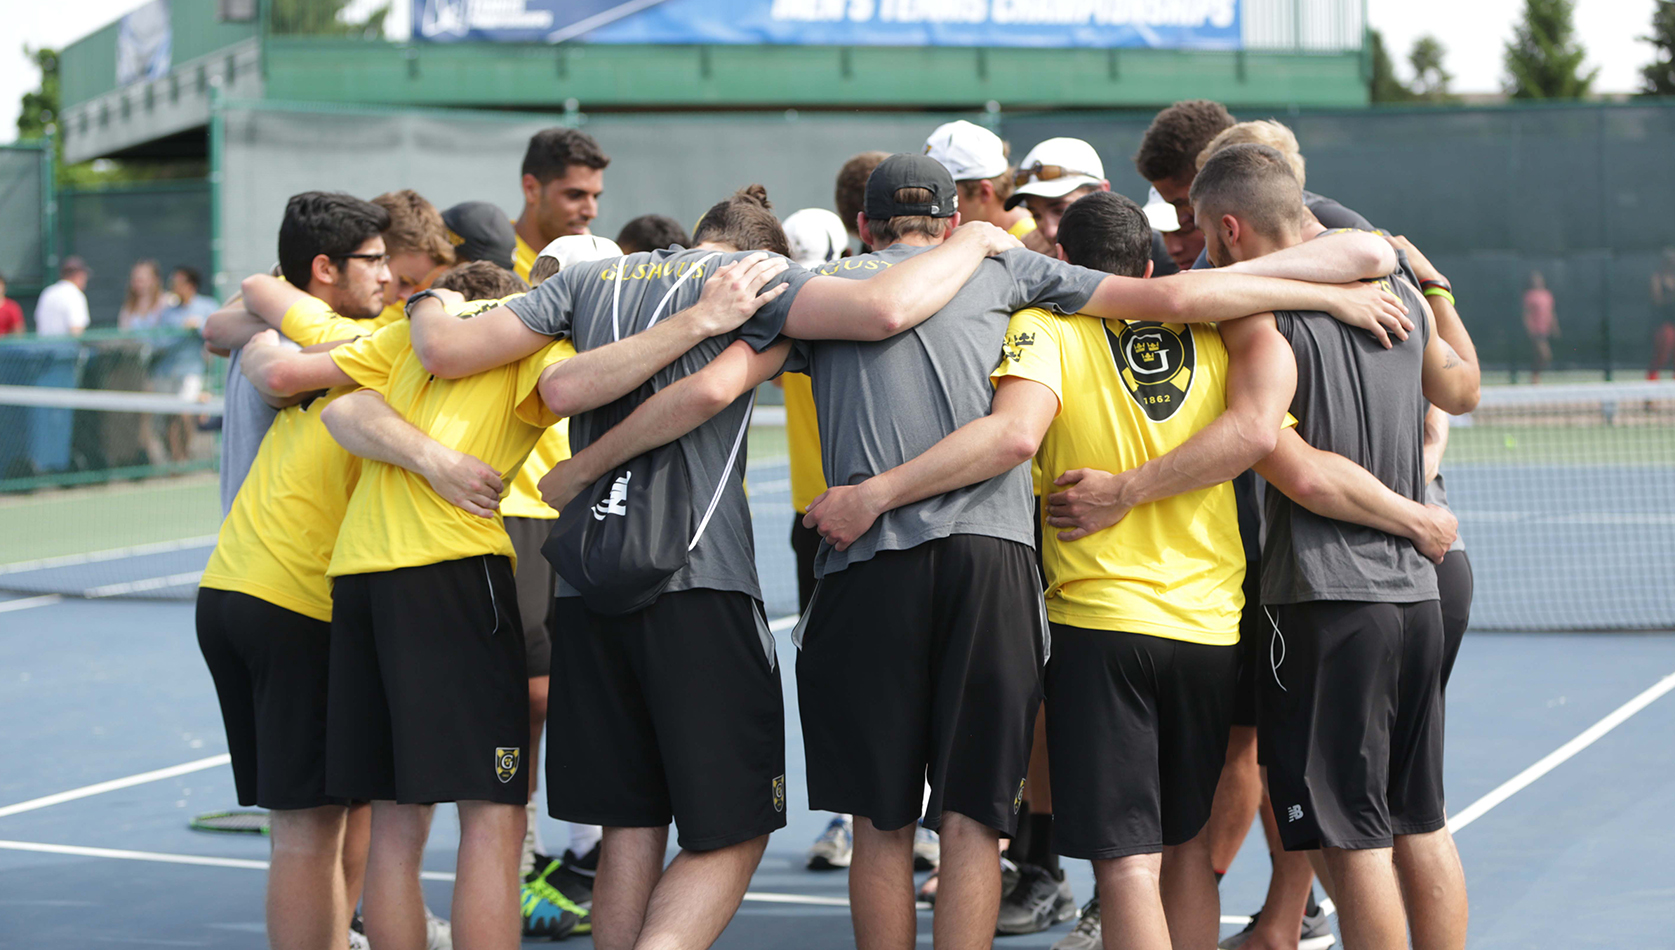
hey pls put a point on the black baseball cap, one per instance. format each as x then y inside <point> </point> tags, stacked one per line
<point>480,231</point>
<point>906,170</point>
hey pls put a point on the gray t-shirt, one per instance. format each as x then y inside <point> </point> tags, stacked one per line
<point>881,404</point>
<point>579,304</point>
<point>1367,404</point>
<point>245,419</point>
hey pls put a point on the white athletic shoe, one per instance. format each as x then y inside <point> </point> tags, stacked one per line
<point>835,846</point>
<point>1086,934</point>
<point>358,941</point>
<point>439,934</point>
<point>927,849</point>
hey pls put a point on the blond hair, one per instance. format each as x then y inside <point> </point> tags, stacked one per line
<point>1267,132</point>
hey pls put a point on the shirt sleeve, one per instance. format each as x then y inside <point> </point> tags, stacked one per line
<point>1049,283</point>
<point>78,315</point>
<point>369,360</point>
<point>530,407</point>
<point>764,327</point>
<point>310,321</point>
<point>1334,215</point>
<point>1032,351</point>
<point>547,309</point>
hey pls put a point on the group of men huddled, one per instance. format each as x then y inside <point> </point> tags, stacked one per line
<point>1085,655</point>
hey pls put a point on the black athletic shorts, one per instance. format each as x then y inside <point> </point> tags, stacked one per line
<point>270,670</point>
<point>429,694</point>
<point>674,712</point>
<point>1136,739</point>
<point>1454,586</point>
<point>1253,626</point>
<point>1351,726</point>
<point>805,544</point>
<point>924,663</point>
<point>535,583</point>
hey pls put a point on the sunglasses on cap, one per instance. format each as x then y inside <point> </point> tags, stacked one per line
<point>1040,172</point>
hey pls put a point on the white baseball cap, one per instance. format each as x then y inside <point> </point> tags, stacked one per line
<point>1057,167</point>
<point>579,249</point>
<point>1161,213</point>
<point>816,236</point>
<point>967,150</point>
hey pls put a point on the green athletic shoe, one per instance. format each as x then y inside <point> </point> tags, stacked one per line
<point>546,911</point>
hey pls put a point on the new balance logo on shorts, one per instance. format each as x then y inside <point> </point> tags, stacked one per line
<point>506,762</point>
<point>779,793</point>
<point>1294,813</point>
<point>617,503</point>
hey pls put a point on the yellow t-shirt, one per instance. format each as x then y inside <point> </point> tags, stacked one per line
<point>1022,227</point>
<point>523,256</point>
<point>394,519</point>
<point>1128,393</point>
<point>310,321</point>
<point>802,441</point>
<point>523,497</point>
<point>278,537</point>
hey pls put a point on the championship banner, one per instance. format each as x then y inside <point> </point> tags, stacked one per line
<point>1053,24</point>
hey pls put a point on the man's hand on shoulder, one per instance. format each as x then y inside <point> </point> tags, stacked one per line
<point>733,294</point>
<point>1371,308</point>
<point>991,239</point>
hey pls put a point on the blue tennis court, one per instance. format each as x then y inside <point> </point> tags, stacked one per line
<point>99,691</point>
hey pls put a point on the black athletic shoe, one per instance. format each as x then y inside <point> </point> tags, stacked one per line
<point>1038,901</point>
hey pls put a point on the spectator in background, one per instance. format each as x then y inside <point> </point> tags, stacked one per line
<point>1663,314</point>
<point>144,301</point>
<point>1540,324</point>
<point>179,368</point>
<point>191,307</point>
<point>651,232</point>
<point>62,307</point>
<point>11,315</point>
<point>851,190</point>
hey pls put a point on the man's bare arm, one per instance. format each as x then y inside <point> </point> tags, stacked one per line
<point>1329,259</point>
<point>268,298</point>
<point>1022,411</point>
<point>276,371</point>
<point>1453,378</point>
<point>452,348</point>
<point>1261,379</point>
<point>365,425</point>
<point>899,297</point>
<point>598,376</point>
<point>1213,296</point>
<point>231,327</point>
<point>673,412</point>
<point>1334,487</point>
<point>1436,441</point>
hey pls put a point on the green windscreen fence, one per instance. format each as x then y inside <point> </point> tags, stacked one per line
<point>1578,193</point>
<point>113,228</point>
<point>25,178</point>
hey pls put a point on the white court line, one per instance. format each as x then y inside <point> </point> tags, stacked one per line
<point>110,554</point>
<point>1558,756</point>
<point>114,784</point>
<point>149,583</point>
<point>24,603</point>
<point>159,857</point>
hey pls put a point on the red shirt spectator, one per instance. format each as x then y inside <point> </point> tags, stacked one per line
<point>11,315</point>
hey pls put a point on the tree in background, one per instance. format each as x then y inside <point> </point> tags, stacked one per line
<point>1385,87</point>
<point>1544,58</point>
<point>323,18</point>
<point>1658,76</point>
<point>1430,79</point>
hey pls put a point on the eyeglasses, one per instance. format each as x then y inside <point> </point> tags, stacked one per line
<point>376,259</point>
<point>1040,172</point>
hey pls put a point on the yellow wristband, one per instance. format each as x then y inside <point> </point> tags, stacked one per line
<point>1439,292</point>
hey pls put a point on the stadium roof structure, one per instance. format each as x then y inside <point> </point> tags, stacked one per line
<point>143,86</point>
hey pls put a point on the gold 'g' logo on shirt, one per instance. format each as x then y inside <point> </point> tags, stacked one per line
<point>506,762</point>
<point>1157,362</point>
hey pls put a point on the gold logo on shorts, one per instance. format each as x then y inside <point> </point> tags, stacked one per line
<point>506,762</point>
<point>779,793</point>
<point>1018,799</point>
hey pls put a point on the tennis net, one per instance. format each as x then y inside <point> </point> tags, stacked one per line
<point>1565,495</point>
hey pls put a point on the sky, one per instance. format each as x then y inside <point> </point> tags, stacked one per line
<point>1473,31</point>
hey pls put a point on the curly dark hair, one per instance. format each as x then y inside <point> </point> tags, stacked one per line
<point>1171,144</point>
